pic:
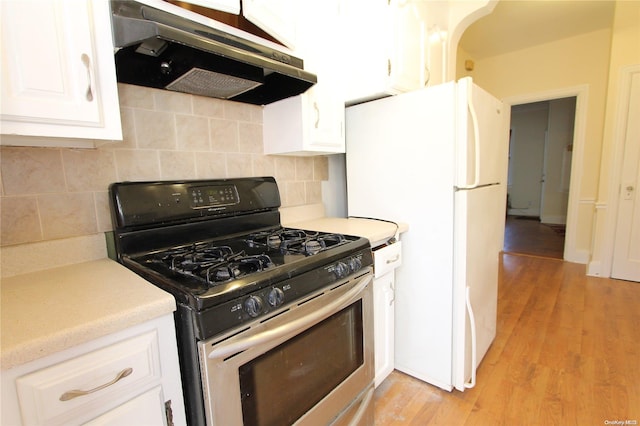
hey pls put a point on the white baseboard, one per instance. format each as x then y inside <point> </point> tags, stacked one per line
<point>554,220</point>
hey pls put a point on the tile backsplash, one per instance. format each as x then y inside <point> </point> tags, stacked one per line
<point>53,193</point>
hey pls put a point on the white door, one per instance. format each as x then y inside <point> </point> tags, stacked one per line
<point>626,253</point>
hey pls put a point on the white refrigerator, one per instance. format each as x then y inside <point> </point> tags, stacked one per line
<point>436,159</point>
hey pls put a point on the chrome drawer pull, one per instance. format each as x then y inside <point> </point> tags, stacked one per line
<point>76,393</point>
<point>395,259</point>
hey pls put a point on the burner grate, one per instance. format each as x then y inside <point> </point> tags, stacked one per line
<point>295,241</point>
<point>239,267</point>
<point>212,264</point>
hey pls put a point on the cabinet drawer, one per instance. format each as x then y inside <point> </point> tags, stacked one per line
<point>146,409</point>
<point>387,258</point>
<point>81,388</point>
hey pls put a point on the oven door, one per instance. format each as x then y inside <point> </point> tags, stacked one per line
<point>311,363</point>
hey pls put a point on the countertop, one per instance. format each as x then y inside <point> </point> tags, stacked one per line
<point>312,217</point>
<point>378,232</point>
<point>49,311</point>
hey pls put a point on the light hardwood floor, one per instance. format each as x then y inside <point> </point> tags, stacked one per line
<point>567,352</point>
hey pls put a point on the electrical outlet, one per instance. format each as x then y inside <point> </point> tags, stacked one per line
<point>627,191</point>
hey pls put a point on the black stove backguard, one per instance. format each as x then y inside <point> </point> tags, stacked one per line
<point>217,245</point>
<point>153,205</point>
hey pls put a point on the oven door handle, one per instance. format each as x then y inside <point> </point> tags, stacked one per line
<point>294,326</point>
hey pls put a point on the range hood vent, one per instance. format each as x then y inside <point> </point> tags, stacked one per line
<point>159,49</point>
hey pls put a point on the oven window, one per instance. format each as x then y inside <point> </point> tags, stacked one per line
<point>281,385</point>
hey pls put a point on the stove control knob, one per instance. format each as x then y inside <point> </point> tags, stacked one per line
<point>253,306</point>
<point>355,264</point>
<point>275,297</point>
<point>341,270</point>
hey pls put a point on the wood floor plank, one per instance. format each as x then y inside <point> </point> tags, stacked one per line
<point>567,351</point>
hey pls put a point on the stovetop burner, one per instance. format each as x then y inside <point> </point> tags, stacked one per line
<point>217,262</point>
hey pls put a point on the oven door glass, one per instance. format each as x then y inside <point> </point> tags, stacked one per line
<point>281,385</point>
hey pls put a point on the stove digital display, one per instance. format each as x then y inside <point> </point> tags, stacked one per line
<point>213,196</point>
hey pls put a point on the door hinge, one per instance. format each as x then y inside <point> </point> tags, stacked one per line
<point>389,67</point>
<point>168,412</point>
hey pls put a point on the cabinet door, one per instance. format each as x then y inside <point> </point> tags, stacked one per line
<point>58,72</point>
<point>321,51</point>
<point>311,123</point>
<point>276,17</point>
<point>367,43</point>
<point>384,42</point>
<point>407,56</point>
<point>326,120</point>
<point>383,318</point>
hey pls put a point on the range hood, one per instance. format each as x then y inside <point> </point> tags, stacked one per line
<point>164,50</point>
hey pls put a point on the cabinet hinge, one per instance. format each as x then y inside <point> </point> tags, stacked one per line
<point>389,67</point>
<point>168,412</point>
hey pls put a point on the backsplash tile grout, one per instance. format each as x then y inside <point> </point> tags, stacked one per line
<point>54,193</point>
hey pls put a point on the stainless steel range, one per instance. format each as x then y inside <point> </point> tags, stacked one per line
<point>274,325</point>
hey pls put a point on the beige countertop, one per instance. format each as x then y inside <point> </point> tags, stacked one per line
<point>45,312</point>
<point>376,231</point>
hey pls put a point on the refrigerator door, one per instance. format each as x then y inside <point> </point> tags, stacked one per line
<point>479,225</point>
<point>482,147</point>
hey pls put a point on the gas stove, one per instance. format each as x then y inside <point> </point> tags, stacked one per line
<point>219,248</point>
<point>212,243</point>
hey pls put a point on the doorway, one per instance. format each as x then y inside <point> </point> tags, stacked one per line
<point>540,157</point>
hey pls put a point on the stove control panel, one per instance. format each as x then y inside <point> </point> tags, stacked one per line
<point>346,267</point>
<point>140,204</point>
<point>213,196</point>
<point>265,301</point>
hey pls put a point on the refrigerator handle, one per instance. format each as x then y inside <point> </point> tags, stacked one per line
<point>472,321</point>
<point>476,140</point>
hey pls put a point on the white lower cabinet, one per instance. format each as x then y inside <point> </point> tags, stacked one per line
<point>384,311</point>
<point>136,411</point>
<point>386,259</point>
<point>131,377</point>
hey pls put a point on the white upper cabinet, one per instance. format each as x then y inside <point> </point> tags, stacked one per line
<point>384,42</point>
<point>312,123</point>
<point>58,72</point>
<point>278,18</point>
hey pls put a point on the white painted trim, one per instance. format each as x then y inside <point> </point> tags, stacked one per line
<point>554,220</point>
<point>461,15</point>
<point>594,268</point>
<point>619,133</point>
<point>581,93</point>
